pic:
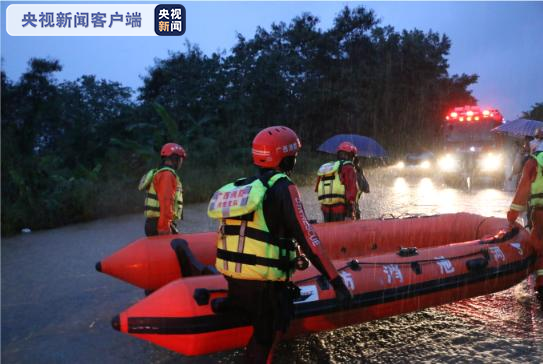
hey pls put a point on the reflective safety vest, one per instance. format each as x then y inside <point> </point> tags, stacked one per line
<point>331,190</point>
<point>245,247</point>
<point>536,189</point>
<point>152,206</point>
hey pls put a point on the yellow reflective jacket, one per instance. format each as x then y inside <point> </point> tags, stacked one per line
<point>536,189</point>
<point>152,205</point>
<point>330,189</point>
<point>245,247</point>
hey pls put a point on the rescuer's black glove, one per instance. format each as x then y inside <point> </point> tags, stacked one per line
<point>343,295</point>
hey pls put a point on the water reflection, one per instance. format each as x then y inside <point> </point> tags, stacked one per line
<point>426,193</point>
<point>491,201</point>
<point>400,185</point>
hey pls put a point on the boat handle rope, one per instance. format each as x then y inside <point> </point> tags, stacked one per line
<point>202,295</point>
<point>355,265</point>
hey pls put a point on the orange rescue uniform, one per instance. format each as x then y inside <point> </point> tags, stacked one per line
<point>520,200</point>
<point>165,184</point>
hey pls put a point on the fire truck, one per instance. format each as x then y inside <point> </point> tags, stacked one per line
<point>471,151</point>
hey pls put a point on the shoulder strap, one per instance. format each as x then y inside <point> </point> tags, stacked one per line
<point>146,179</point>
<point>265,178</point>
<point>343,163</point>
<point>166,168</point>
<point>269,178</point>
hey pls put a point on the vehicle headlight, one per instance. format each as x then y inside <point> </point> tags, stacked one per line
<point>425,165</point>
<point>448,163</point>
<point>491,162</point>
<point>400,165</point>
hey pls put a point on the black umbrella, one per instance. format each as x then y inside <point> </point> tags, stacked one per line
<point>367,147</point>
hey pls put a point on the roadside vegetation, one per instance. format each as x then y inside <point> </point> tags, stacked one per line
<point>75,150</point>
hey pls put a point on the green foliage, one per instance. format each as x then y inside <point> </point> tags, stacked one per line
<point>536,113</point>
<point>76,150</point>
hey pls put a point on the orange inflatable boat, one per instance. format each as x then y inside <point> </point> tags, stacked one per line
<point>392,267</point>
<point>150,263</point>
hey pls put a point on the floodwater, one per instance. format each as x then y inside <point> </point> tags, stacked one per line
<point>57,309</point>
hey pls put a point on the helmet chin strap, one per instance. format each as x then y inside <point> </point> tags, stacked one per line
<point>287,164</point>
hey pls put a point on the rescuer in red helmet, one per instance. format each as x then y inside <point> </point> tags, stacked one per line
<point>164,198</point>
<point>530,192</point>
<point>262,235</point>
<point>337,186</point>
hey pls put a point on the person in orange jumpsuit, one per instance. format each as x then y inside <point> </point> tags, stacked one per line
<point>164,198</point>
<point>530,192</point>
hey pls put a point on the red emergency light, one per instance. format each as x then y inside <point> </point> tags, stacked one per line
<point>473,114</point>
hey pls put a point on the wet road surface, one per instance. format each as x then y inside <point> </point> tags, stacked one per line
<point>57,309</point>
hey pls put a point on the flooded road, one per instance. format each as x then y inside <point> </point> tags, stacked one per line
<point>57,309</point>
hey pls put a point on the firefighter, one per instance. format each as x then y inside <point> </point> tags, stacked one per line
<point>164,197</point>
<point>363,186</point>
<point>530,192</point>
<point>337,186</point>
<point>262,226</point>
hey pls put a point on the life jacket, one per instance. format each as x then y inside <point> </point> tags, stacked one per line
<point>152,206</point>
<point>245,247</point>
<point>331,190</point>
<point>536,189</point>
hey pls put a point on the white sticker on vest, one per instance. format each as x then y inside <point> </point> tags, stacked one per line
<point>236,197</point>
<point>326,168</point>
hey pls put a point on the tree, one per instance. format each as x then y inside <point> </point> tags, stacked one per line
<point>536,113</point>
<point>76,149</point>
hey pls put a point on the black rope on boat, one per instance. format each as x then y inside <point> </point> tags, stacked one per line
<point>355,264</point>
<point>479,226</point>
<point>500,238</point>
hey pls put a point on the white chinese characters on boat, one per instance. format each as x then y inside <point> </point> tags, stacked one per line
<point>393,272</point>
<point>347,279</point>
<point>497,253</point>
<point>445,265</point>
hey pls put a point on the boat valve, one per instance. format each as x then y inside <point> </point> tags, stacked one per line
<point>354,265</point>
<point>408,251</point>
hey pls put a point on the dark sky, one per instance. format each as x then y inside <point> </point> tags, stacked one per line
<point>502,42</point>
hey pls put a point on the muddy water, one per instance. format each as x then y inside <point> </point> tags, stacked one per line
<point>57,309</point>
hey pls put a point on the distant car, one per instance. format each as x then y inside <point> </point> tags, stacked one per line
<point>423,160</point>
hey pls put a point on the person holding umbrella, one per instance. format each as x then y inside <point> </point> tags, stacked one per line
<point>337,186</point>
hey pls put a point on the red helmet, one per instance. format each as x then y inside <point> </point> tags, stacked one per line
<point>347,147</point>
<point>170,149</point>
<point>272,144</point>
